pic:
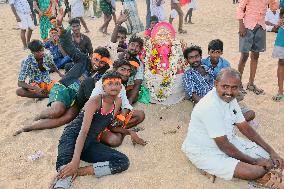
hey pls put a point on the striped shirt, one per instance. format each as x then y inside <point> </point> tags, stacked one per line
<point>194,82</point>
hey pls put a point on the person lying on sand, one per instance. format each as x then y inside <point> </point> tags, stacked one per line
<point>211,143</point>
<point>79,138</point>
<point>36,67</point>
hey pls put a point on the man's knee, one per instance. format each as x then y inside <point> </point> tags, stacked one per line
<point>140,115</point>
<point>244,57</point>
<point>20,92</point>
<point>254,55</point>
<point>123,164</point>
<point>113,140</point>
<point>281,62</point>
<point>58,110</point>
<point>249,115</point>
<point>248,172</point>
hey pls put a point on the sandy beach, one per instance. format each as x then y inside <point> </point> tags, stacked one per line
<point>161,163</point>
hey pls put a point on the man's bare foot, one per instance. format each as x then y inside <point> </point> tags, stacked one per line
<point>37,117</point>
<point>88,170</point>
<point>18,132</point>
<point>24,129</point>
<point>190,22</point>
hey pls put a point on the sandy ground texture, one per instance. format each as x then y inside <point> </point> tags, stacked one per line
<point>160,164</point>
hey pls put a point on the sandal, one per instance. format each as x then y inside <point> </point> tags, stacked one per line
<point>182,31</point>
<point>254,89</point>
<point>272,179</point>
<point>278,97</point>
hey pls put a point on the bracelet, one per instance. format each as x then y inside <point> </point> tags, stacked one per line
<point>120,117</point>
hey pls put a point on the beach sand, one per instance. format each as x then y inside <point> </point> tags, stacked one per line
<point>161,163</point>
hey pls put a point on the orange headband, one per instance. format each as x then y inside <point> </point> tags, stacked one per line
<point>133,63</point>
<point>106,81</point>
<point>101,58</point>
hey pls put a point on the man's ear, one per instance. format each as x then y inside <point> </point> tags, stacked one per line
<point>215,83</point>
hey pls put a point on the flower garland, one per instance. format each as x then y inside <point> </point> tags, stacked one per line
<point>159,81</point>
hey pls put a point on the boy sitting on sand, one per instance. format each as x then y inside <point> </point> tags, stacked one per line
<point>214,61</point>
<point>36,67</point>
<point>79,139</point>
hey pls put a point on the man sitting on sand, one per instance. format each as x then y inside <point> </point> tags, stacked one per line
<point>198,79</point>
<point>62,108</point>
<point>134,83</point>
<point>128,117</point>
<point>79,139</point>
<point>211,143</point>
<point>36,67</point>
<point>214,61</point>
<point>57,53</point>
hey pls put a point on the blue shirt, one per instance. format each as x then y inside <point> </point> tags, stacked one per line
<point>280,35</point>
<point>221,64</point>
<point>194,82</point>
<point>54,50</point>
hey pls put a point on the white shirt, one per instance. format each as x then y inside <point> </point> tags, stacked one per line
<point>211,118</point>
<point>21,6</point>
<point>270,17</point>
<point>99,90</point>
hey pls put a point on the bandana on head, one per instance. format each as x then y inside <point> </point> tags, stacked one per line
<point>107,81</point>
<point>134,63</point>
<point>101,58</point>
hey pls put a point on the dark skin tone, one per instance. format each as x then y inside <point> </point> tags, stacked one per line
<point>56,115</point>
<point>112,89</point>
<point>248,168</point>
<point>133,49</point>
<point>194,59</point>
<point>29,91</point>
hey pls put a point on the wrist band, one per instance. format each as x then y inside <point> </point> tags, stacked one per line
<point>120,117</point>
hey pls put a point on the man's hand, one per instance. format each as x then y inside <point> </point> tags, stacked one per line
<point>277,160</point>
<point>40,13</point>
<point>42,91</point>
<point>122,17</point>
<point>71,169</point>
<point>117,123</point>
<point>266,163</point>
<point>280,22</point>
<point>242,29</point>
<point>136,139</point>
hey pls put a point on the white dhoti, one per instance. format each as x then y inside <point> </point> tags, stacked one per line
<point>218,163</point>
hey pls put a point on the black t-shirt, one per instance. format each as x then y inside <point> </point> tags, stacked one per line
<point>85,91</point>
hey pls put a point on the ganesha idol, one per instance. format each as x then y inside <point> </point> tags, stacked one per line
<point>164,65</point>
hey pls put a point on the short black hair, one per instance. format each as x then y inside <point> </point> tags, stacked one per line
<point>215,44</point>
<point>135,38</point>
<point>111,74</point>
<point>53,29</point>
<point>120,62</point>
<point>35,45</point>
<point>74,21</point>
<point>154,18</point>
<point>102,51</point>
<point>51,18</point>
<point>122,30</point>
<point>191,49</point>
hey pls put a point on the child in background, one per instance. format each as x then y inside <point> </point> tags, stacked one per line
<point>107,10</point>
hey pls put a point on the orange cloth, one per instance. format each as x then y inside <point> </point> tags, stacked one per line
<point>43,85</point>
<point>253,12</point>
